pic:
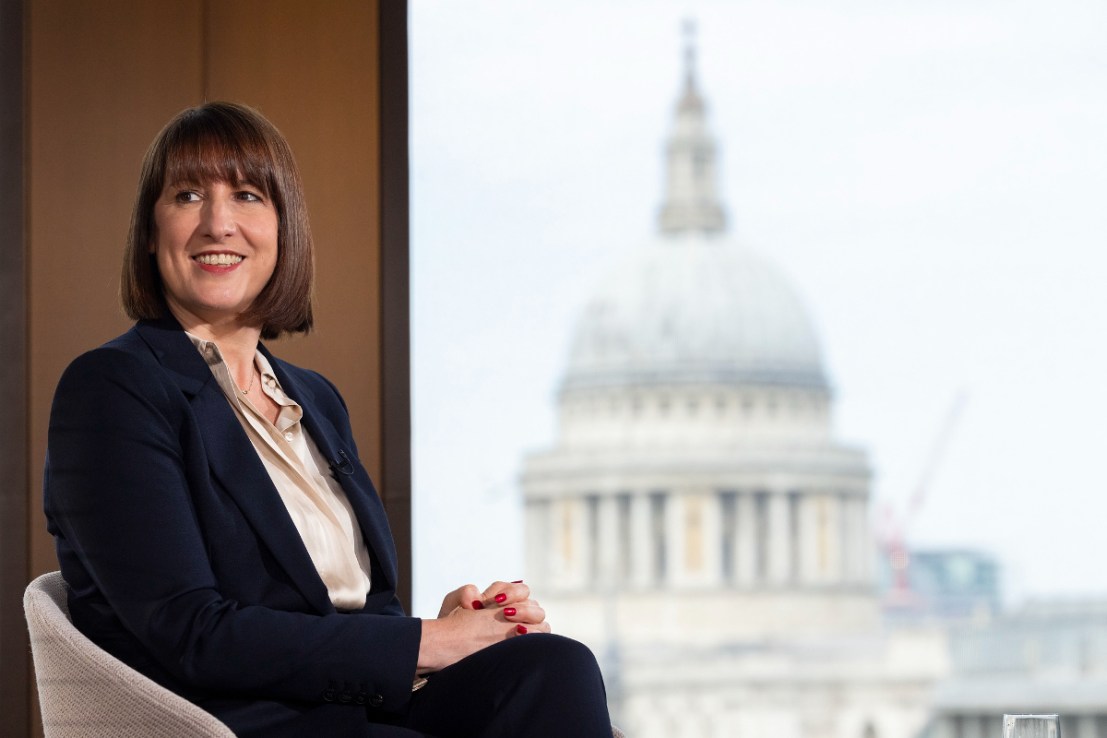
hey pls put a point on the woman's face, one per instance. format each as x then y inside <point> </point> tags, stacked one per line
<point>216,248</point>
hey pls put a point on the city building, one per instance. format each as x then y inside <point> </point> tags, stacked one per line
<point>1045,657</point>
<point>943,584</point>
<point>696,521</point>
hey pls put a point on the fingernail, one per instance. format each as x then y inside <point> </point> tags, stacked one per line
<point>517,581</point>
<point>521,629</point>
<point>509,611</point>
<point>478,605</point>
<point>501,598</point>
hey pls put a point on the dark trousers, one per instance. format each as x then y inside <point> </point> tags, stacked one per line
<point>537,685</point>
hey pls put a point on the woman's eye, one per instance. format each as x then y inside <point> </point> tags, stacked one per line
<point>248,196</point>
<point>187,196</point>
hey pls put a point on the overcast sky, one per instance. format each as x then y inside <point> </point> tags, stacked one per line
<point>930,176</point>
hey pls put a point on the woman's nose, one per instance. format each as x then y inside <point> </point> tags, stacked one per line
<point>217,218</point>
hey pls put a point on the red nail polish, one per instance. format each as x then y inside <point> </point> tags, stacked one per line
<point>517,581</point>
<point>478,605</point>
<point>521,629</point>
<point>501,598</point>
<point>510,612</point>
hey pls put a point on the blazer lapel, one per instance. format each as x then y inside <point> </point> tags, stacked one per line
<point>358,487</point>
<point>233,459</point>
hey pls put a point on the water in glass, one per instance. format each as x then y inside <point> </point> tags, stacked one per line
<point>1031,726</point>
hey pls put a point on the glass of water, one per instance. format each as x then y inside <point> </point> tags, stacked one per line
<point>1031,726</point>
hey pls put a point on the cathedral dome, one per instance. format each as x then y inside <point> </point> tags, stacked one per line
<point>695,307</point>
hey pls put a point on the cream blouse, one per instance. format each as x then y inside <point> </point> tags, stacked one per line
<point>315,500</point>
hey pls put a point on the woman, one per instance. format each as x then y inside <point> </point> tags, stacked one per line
<point>211,518</point>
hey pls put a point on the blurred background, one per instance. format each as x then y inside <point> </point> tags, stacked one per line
<point>921,182</point>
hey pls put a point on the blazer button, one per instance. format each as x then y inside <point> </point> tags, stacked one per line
<point>328,696</point>
<point>376,701</point>
<point>345,698</point>
<point>359,700</point>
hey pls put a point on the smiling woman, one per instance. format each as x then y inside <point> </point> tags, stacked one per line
<point>212,519</point>
<point>216,248</point>
<point>244,157</point>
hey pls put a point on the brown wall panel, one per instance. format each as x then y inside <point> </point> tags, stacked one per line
<point>102,79</point>
<point>312,69</point>
<point>105,77</point>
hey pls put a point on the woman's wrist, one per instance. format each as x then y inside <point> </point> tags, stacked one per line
<point>430,647</point>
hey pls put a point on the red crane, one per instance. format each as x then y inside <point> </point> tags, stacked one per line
<point>892,531</point>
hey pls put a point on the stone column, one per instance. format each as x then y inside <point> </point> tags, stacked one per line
<point>780,539</point>
<point>607,542</point>
<point>745,540</point>
<point>673,544</point>
<point>703,531</point>
<point>849,538</point>
<point>859,543</point>
<point>563,545</point>
<point>808,543</point>
<point>641,548</point>
<point>830,537</point>
<point>725,513</point>
<point>571,535</point>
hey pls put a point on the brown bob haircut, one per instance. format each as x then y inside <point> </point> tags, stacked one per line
<point>232,143</point>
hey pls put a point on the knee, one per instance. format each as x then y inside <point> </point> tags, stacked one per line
<point>558,658</point>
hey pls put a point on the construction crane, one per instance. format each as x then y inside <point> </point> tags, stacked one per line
<point>893,531</point>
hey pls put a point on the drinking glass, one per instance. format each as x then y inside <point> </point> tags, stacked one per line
<point>1031,726</point>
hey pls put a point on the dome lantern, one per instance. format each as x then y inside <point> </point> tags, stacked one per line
<point>691,198</point>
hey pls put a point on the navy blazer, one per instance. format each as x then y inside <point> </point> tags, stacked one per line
<point>181,558</point>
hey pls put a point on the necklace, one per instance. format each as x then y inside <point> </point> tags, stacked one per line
<point>253,376</point>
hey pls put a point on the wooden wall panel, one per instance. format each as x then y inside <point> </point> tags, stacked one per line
<point>311,68</point>
<point>102,79</point>
<point>103,83</point>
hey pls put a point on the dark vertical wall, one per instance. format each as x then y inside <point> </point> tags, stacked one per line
<point>395,294</point>
<point>13,375</point>
<point>84,87</point>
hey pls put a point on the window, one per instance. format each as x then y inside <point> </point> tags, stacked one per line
<point>904,201</point>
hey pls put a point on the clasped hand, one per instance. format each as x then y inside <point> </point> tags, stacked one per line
<point>470,620</point>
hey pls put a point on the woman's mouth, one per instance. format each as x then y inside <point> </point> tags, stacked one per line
<point>219,259</point>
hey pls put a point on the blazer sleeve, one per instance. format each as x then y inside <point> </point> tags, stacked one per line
<point>123,447</point>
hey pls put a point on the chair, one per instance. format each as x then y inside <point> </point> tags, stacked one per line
<point>84,692</point>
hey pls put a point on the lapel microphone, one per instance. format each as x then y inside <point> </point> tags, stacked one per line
<point>342,464</point>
